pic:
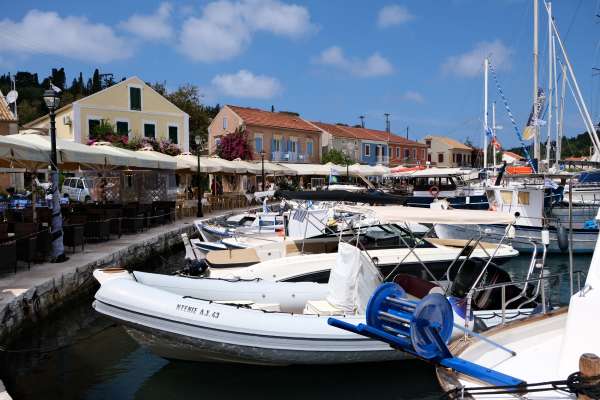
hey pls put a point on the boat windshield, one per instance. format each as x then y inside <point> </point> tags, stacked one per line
<point>390,236</point>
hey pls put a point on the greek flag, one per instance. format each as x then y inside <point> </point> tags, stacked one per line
<point>489,133</point>
<point>300,215</point>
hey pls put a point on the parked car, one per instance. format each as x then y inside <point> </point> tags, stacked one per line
<point>78,189</point>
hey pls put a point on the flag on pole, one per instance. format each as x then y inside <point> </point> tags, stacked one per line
<point>496,143</point>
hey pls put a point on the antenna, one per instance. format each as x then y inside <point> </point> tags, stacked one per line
<point>12,96</point>
<point>362,121</point>
<point>387,122</point>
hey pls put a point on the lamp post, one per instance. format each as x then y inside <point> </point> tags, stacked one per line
<point>262,162</point>
<point>52,101</point>
<point>198,140</point>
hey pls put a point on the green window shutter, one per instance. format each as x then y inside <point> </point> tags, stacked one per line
<point>122,128</point>
<point>135,99</point>
<point>150,130</point>
<point>92,125</point>
<point>173,134</point>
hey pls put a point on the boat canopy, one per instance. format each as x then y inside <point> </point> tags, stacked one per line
<point>400,214</point>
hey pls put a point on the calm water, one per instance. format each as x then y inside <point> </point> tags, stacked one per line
<point>85,356</point>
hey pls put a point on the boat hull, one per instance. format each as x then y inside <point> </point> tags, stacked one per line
<point>584,240</point>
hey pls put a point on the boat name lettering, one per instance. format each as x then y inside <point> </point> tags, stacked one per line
<point>196,310</point>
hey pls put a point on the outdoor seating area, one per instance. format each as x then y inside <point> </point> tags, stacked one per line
<point>25,236</point>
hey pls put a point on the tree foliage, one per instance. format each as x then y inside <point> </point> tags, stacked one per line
<point>337,157</point>
<point>188,98</point>
<point>578,146</point>
<point>235,145</point>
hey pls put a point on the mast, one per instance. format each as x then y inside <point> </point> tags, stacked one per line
<point>536,136</point>
<point>485,110</point>
<point>494,132</point>
<point>550,83</point>
<point>562,113</point>
<point>556,119</point>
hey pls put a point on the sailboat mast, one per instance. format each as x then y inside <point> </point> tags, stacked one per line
<point>556,119</point>
<point>562,111</point>
<point>494,132</point>
<point>550,82</point>
<point>485,110</point>
<point>536,136</point>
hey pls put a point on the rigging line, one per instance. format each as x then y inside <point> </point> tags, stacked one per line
<point>572,22</point>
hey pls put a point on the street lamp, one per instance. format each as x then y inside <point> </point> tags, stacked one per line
<point>199,148</point>
<point>52,101</point>
<point>262,162</point>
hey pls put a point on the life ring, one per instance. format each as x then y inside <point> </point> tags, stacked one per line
<point>434,191</point>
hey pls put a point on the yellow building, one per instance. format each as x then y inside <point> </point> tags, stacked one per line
<point>133,107</point>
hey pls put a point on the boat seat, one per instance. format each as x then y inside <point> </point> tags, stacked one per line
<point>321,307</point>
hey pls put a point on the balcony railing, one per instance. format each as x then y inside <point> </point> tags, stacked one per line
<point>290,156</point>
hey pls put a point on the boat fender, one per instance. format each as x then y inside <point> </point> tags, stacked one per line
<point>563,238</point>
<point>434,191</point>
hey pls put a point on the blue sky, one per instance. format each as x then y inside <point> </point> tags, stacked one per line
<point>328,60</point>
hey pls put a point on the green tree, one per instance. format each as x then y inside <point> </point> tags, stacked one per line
<point>337,157</point>
<point>96,82</point>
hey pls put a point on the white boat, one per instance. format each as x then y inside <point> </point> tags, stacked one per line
<point>240,327</point>
<point>538,208</point>
<point>547,347</point>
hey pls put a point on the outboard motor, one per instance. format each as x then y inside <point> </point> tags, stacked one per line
<point>194,267</point>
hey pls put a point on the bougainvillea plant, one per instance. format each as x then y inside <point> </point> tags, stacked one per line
<point>235,145</point>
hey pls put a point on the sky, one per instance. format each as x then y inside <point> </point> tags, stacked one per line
<point>332,61</point>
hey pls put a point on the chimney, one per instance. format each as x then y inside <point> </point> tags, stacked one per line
<point>387,122</point>
<point>362,121</point>
<point>272,108</point>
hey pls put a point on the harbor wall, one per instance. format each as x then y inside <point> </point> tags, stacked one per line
<point>40,300</point>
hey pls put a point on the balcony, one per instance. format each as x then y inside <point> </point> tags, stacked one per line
<point>289,156</point>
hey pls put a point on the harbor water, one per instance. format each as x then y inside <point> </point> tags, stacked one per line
<point>79,354</point>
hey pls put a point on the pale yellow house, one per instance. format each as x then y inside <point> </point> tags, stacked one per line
<point>446,152</point>
<point>133,107</point>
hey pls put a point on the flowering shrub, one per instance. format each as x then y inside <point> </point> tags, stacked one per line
<point>235,145</point>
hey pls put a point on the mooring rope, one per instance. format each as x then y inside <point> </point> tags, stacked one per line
<point>574,384</point>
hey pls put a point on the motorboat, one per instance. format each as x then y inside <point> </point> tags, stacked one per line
<point>426,185</point>
<point>252,322</point>
<point>545,348</point>
<point>538,203</point>
<point>585,190</point>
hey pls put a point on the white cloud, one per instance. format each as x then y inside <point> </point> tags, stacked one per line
<point>43,32</point>
<point>245,84</point>
<point>374,65</point>
<point>414,96</point>
<point>226,27</point>
<point>156,26</point>
<point>470,64</point>
<point>393,15</point>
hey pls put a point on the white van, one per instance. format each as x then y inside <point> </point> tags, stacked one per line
<point>78,189</point>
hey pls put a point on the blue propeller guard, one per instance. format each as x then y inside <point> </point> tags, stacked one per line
<point>419,328</point>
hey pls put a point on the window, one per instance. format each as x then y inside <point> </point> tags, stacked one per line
<point>506,196</point>
<point>276,145</point>
<point>429,157</point>
<point>150,130</point>
<point>92,125</point>
<point>79,184</point>
<point>293,145</point>
<point>406,154</point>
<point>414,154</point>
<point>135,98</point>
<point>309,147</point>
<point>440,157</point>
<point>367,150</point>
<point>428,142</point>
<point>459,158</point>
<point>397,152</point>
<point>523,198</point>
<point>224,122</point>
<point>217,141</point>
<point>123,128</point>
<point>174,134</point>
<point>258,143</point>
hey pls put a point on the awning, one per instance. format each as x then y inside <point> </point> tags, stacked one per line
<point>249,167</point>
<point>276,169</point>
<point>165,161</point>
<point>35,148</point>
<point>207,164</point>
<point>132,158</point>
<point>315,169</point>
<point>400,214</point>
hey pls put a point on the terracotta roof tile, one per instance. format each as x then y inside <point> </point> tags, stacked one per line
<point>256,117</point>
<point>365,134</point>
<point>5,113</point>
